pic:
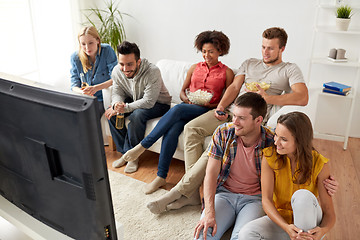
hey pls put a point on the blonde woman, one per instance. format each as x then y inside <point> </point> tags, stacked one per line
<point>92,65</point>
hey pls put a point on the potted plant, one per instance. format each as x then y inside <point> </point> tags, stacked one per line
<point>108,22</point>
<point>343,16</point>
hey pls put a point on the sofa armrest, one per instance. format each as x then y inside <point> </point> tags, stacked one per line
<point>309,109</point>
<point>284,110</point>
<point>107,97</point>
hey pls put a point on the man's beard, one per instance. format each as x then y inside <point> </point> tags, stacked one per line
<point>134,71</point>
<point>272,61</point>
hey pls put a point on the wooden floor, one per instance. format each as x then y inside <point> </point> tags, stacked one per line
<point>345,166</point>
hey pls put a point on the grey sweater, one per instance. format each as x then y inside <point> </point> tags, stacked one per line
<point>145,89</point>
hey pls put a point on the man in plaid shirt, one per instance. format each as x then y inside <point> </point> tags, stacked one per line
<point>232,180</point>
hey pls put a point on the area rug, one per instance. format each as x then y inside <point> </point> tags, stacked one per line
<point>138,222</point>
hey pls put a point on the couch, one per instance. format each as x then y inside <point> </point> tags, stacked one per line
<point>173,74</point>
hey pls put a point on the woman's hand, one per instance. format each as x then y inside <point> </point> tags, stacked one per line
<point>90,90</point>
<point>293,232</point>
<point>184,98</point>
<point>314,234</point>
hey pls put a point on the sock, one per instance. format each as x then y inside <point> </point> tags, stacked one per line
<point>132,166</point>
<point>119,163</point>
<point>159,206</point>
<point>184,201</point>
<point>154,185</point>
<point>134,153</point>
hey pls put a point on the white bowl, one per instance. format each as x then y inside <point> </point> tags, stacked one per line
<point>200,96</point>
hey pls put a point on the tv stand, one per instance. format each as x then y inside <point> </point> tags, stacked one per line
<point>27,224</point>
<point>33,227</point>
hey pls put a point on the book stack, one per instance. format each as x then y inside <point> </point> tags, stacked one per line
<point>336,88</point>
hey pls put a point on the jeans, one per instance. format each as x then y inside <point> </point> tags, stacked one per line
<point>233,208</point>
<point>127,138</point>
<point>307,215</point>
<point>170,127</point>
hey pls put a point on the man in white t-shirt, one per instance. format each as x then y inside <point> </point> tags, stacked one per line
<point>287,87</point>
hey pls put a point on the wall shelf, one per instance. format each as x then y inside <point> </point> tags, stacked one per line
<point>333,6</point>
<point>333,30</point>
<point>325,61</point>
<point>317,82</point>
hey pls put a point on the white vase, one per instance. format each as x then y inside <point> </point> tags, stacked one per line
<point>342,24</point>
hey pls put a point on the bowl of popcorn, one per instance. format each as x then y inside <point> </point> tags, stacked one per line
<point>200,96</point>
<point>252,86</point>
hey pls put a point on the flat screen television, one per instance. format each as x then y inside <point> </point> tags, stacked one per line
<point>52,160</point>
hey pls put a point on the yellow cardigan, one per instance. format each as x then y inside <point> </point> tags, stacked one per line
<point>284,187</point>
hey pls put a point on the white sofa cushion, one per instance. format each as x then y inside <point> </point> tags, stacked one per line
<point>173,74</point>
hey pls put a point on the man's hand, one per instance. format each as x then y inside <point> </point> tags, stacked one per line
<point>221,117</point>
<point>109,113</point>
<point>119,107</point>
<point>259,91</point>
<point>205,223</point>
<point>331,185</point>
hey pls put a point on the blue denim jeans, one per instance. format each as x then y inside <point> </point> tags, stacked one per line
<point>233,209</point>
<point>307,215</point>
<point>170,127</point>
<point>130,136</point>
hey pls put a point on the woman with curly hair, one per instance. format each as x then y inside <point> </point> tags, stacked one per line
<point>208,75</point>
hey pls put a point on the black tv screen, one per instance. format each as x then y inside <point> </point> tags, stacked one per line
<point>52,160</point>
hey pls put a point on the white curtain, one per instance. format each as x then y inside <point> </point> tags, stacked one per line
<point>37,39</point>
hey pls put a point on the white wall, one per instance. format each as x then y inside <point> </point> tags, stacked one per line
<point>161,28</point>
<point>167,29</point>
<point>38,38</point>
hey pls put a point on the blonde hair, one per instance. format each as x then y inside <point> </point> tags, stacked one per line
<point>84,59</point>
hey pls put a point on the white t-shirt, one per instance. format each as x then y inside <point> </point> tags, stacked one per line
<point>281,77</point>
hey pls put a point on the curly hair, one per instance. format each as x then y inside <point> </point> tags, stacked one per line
<point>220,41</point>
<point>276,32</point>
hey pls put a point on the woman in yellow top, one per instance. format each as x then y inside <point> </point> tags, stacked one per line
<point>292,173</point>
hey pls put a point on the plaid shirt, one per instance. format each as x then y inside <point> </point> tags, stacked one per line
<point>223,148</point>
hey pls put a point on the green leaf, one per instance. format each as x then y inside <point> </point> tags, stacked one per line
<point>344,12</point>
<point>108,22</point>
